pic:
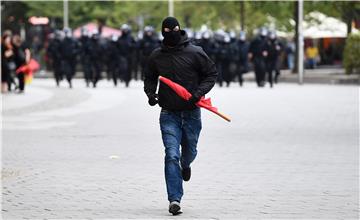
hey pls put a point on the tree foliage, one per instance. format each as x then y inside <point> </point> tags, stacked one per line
<point>216,14</point>
<point>352,54</point>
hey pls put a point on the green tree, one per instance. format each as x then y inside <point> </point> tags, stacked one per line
<point>12,15</point>
<point>216,14</point>
<point>352,54</point>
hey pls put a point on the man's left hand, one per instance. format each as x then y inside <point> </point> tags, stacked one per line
<point>194,98</point>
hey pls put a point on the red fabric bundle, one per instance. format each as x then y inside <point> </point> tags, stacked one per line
<point>183,93</point>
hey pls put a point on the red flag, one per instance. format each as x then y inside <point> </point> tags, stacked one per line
<point>183,93</point>
<point>29,68</point>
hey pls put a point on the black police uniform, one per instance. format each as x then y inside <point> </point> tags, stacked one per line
<point>257,47</point>
<point>242,68</point>
<point>54,52</point>
<point>69,51</point>
<point>146,46</point>
<point>126,44</point>
<point>113,52</point>
<point>96,59</point>
<point>85,58</point>
<point>223,60</point>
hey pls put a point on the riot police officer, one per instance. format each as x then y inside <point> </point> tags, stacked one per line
<point>69,52</point>
<point>208,45</point>
<point>126,44</point>
<point>233,56</point>
<point>258,53</point>
<point>54,53</point>
<point>95,52</point>
<point>224,58</point>
<point>218,43</point>
<point>243,48</point>
<point>85,59</point>
<point>146,46</point>
<point>113,54</point>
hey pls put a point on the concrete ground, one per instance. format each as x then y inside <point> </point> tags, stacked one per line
<point>289,152</point>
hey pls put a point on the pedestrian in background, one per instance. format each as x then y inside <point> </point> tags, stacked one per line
<point>312,53</point>
<point>7,62</point>
<point>22,57</point>
<point>290,51</point>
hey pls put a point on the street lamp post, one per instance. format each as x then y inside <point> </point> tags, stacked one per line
<point>242,16</point>
<point>171,8</point>
<point>300,39</point>
<point>66,13</point>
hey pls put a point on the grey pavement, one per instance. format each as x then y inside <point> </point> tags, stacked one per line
<point>289,152</point>
<point>322,75</point>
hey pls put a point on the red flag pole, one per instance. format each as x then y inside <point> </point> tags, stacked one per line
<point>223,116</point>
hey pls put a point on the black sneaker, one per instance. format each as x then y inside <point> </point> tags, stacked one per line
<point>186,174</point>
<point>174,208</point>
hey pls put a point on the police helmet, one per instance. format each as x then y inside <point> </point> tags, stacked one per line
<point>67,32</point>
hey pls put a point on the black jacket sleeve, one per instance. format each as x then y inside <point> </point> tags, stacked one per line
<point>208,74</point>
<point>151,77</point>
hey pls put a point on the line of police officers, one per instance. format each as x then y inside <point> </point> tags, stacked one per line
<point>121,57</point>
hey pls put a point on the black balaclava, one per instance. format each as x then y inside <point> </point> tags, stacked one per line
<point>171,38</point>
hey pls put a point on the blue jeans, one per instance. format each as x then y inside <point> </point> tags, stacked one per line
<point>179,128</point>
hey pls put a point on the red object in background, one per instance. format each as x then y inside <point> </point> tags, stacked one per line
<point>29,68</point>
<point>38,20</point>
<point>183,93</point>
<point>91,27</point>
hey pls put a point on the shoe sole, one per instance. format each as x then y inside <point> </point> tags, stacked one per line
<point>175,210</point>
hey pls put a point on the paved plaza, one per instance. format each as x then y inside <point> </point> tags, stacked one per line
<point>289,152</point>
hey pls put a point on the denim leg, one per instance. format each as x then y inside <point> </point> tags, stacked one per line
<point>191,131</point>
<point>171,132</point>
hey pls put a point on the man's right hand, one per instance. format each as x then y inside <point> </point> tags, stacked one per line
<point>153,99</point>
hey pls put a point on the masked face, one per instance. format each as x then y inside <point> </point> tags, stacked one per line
<point>171,31</point>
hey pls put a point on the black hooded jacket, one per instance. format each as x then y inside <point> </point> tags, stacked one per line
<point>185,64</point>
